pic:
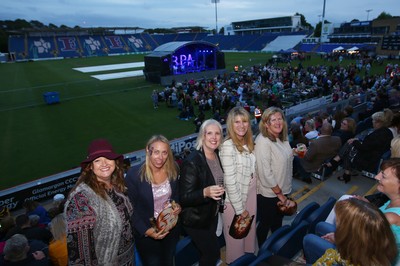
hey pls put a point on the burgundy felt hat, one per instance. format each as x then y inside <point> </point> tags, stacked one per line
<point>100,148</point>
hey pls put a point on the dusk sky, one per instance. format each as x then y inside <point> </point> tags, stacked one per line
<point>178,13</point>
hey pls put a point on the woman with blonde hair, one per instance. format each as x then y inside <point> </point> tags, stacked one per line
<point>363,236</point>
<point>153,187</point>
<point>395,148</point>
<point>274,170</point>
<point>58,252</point>
<point>201,192</point>
<point>238,163</point>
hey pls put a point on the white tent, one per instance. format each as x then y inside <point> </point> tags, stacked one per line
<point>338,49</point>
<point>354,48</point>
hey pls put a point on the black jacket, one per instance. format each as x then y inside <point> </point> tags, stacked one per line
<point>372,148</point>
<point>197,211</point>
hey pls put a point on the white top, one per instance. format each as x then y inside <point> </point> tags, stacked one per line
<point>274,166</point>
<point>312,135</point>
<point>238,170</point>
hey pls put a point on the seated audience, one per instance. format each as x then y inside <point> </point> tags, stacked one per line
<point>365,154</point>
<point>296,135</point>
<point>309,127</point>
<point>321,149</point>
<point>23,226</point>
<point>362,237</point>
<point>389,185</point>
<point>6,224</point>
<point>18,251</point>
<point>337,118</point>
<point>395,125</point>
<point>33,207</point>
<point>347,130</point>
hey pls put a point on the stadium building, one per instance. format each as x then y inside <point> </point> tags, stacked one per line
<point>267,25</point>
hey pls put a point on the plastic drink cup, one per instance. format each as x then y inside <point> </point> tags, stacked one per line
<point>301,150</point>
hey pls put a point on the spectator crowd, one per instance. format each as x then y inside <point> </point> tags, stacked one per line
<point>116,218</point>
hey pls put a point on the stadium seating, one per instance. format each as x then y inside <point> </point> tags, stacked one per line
<point>320,214</point>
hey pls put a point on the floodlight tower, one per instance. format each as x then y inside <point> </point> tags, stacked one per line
<point>323,20</point>
<point>368,10</point>
<point>216,15</point>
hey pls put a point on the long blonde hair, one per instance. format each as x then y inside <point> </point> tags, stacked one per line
<point>170,167</point>
<point>248,137</point>
<point>58,227</point>
<point>395,147</point>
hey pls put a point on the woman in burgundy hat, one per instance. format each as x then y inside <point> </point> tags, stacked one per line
<point>98,211</point>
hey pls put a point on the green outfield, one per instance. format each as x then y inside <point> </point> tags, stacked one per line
<point>39,139</point>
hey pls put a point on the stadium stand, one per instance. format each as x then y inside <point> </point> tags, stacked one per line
<point>283,42</point>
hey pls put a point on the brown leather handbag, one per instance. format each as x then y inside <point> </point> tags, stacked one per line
<point>240,226</point>
<point>287,210</point>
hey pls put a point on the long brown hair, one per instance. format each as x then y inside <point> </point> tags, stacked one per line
<point>170,165</point>
<point>230,121</point>
<point>90,179</point>
<point>363,235</point>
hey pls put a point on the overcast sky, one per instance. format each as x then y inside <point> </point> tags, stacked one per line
<point>177,13</point>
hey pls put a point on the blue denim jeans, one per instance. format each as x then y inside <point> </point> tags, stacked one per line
<point>314,247</point>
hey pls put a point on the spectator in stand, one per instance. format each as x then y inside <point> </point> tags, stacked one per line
<point>362,237</point>
<point>58,205</point>
<point>201,192</point>
<point>151,188</point>
<point>58,252</point>
<point>4,212</point>
<point>395,125</point>
<point>337,118</point>
<point>18,251</point>
<point>6,224</point>
<point>309,127</point>
<point>23,226</point>
<point>98,211</point>
<point>395,147</point>
<point>347,130</point>
<point>33,207</point>
<point>364,154</point>
<point>296,135</point>
<point>238,163</point>
<point>274,171</point>
<point>348,111</point>
<point>34,219</point>
<point>321,149</point>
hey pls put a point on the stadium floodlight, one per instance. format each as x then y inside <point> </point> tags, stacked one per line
<point>216,15</point>
<point>368,10</point>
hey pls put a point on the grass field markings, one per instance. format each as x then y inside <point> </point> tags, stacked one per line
<point>294,194</point>
<point>371,190</point>
<point>309,193</point>
<point>108,67</point>
<point>352,190</point>
<point>127,74</point>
